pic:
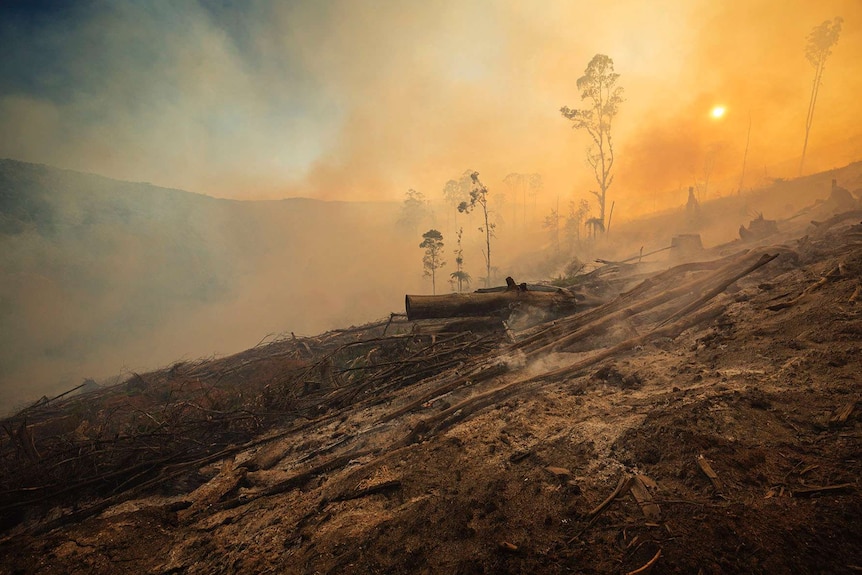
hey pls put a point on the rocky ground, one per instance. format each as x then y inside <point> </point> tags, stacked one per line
<point>705,420</point>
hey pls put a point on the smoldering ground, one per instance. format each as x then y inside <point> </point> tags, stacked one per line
<point>337,101</point>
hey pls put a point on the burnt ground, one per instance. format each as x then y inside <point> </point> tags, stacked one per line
<point>401,448</point>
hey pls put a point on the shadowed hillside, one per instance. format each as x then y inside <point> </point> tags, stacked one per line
<point>704,418</point>
<point>100,275</point>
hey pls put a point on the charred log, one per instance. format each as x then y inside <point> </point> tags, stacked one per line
<point>486,304</point>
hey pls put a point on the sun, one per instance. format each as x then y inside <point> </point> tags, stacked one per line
<point>718,112</point>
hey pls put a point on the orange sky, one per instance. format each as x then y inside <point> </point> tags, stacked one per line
<point>353,100</point>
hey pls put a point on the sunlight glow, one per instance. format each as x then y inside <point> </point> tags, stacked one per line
<point>718,112</point>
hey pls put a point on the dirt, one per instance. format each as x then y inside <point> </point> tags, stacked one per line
<point>425,478</point>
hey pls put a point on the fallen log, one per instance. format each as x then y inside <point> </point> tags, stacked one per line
<point>485,304</point>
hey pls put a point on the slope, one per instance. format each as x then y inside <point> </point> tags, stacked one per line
<point>98,276</point>
<point>705,419</point>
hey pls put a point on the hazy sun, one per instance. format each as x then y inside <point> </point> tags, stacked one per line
<point>718,112</point>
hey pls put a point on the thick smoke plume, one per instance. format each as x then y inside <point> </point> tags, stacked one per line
<point>346,101</point>
<point>337,100</point>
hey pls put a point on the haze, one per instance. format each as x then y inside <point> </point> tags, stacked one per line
<point>363,100</point>
<point>354,103</point>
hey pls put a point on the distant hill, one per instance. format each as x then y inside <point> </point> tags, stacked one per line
<point>719,218</point>
<point>98,275</point>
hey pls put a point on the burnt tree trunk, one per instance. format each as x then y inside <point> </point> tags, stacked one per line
<point>485,304</point>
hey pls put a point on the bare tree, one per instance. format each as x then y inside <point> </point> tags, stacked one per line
<point>552,224</point>
<point>574,221</point>
<point>459,276</point>
<point>708,167</point>
<point>432,243</point>
<point>536,184</point>
<point>598,88</point>
<point>820,42</point>
<point>479,197</point>
<point>522,185</point>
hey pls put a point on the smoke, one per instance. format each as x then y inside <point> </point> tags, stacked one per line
<point>355,101</point>
<point>750,59</point>
<point>342,100</point>
<point>99,277</point>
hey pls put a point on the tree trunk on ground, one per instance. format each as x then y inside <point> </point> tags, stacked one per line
<point>484,304</point>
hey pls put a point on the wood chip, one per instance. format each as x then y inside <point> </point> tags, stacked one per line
<point>843,413</point>
<point>639,490</point>
<point>621,486</point>
<point>709,472</point>
<point>558,471</point>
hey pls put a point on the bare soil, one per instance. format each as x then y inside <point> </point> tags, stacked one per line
<point>401,448</point>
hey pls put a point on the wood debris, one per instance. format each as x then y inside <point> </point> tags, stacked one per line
<point>210,493</point>
<point>383,487</point>
<point>710,473</point>
<point>842,414</point>
<point>814,490</point>
<point>412,382</point>
<point>622,485</point>
<point>646,567</point>
<point>758,228</point>
<point>487,302</point>
<point>558,471</point>
<point>639,487</point>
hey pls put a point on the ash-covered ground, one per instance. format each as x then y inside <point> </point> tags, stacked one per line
<point>705,419</point>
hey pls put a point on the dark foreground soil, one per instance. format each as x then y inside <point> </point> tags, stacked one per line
<point>467,452</point>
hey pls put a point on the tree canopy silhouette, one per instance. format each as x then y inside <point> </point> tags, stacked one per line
<point>479,197</point>
<point>432,243</point>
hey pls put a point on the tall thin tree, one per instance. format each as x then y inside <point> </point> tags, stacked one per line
<point>459,276</point>
<point>552,224</point>
<point>479,197</point>
<point>432,243</point>
<point>820,42</point>
<point>599,89</point>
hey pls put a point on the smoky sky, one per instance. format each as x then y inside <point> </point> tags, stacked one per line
<point>359,100</point>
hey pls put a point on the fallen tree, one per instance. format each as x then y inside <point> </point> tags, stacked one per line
<point>487,302</point>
